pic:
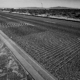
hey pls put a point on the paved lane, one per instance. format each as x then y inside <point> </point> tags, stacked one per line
<point>47,23</point>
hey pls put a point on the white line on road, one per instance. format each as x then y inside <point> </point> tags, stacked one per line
<point>49,22</point>
<point>28,23</point>
<point>8,18</point>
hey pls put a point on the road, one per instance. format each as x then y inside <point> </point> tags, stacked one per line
<point>45,22</point>
<point>51,43</point>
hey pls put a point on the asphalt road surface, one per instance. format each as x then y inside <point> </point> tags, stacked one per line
<point>53,43</point>
<point>72,26</point>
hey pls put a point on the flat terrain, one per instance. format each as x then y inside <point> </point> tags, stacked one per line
<point>53,43</point>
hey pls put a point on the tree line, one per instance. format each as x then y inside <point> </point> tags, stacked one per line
<point>72,13</point>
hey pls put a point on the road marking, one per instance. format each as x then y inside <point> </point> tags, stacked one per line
<point>8,18</point>
<point>50,22</point>
<point>26,23</point>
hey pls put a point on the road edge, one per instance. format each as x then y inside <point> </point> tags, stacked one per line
<point>36,71</point>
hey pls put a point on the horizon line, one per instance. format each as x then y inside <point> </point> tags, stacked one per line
<point>42,7</point>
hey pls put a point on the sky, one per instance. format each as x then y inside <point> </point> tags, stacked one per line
<point>39,3</point>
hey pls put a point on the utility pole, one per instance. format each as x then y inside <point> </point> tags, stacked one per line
<point>42,5</point>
